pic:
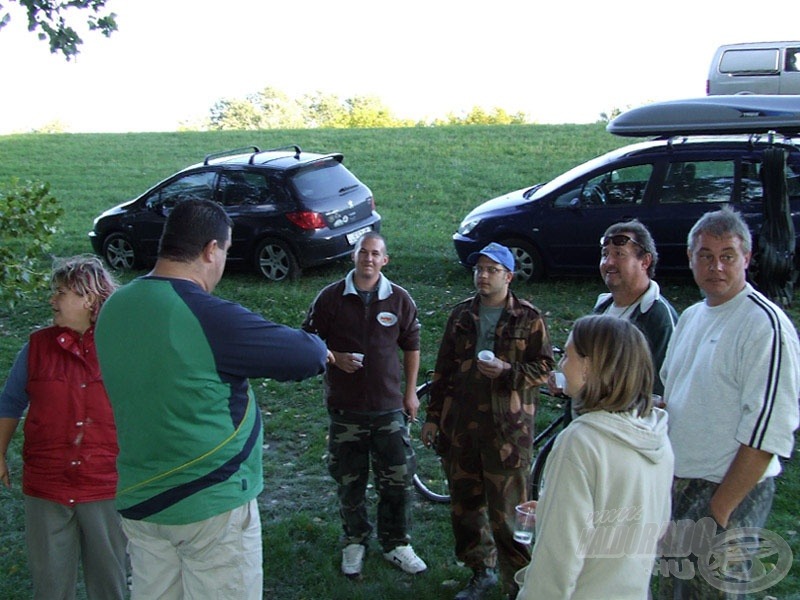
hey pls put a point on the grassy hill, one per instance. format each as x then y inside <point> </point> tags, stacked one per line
<point>424,181</point>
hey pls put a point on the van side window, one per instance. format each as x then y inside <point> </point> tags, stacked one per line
<point>752,186</point>
<point>756,61</point>
<point>793,59</point>
<point>624,186</point>
<point>699,181</point>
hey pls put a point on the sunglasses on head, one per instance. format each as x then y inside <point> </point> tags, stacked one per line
<point>618,240</point>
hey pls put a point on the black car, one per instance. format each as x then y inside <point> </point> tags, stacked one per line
<point>291,210</point>
<point>667,183</point>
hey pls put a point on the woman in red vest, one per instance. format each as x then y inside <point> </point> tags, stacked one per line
<point>69,452</point>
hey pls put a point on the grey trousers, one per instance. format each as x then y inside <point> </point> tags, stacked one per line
<point>58,537</point>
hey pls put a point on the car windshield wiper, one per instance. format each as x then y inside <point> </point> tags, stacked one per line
<point>348,188</point>
<point>529,193</point>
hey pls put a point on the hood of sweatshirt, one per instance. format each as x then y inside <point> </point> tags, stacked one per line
<point>647,435</point>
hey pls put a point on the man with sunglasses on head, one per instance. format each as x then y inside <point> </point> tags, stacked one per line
<point>480,418</point>
<point>628,260</point>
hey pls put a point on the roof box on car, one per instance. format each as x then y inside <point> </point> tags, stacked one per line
<point>711,115</point>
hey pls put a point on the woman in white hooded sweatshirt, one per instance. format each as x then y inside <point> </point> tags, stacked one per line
<point>606,486</point>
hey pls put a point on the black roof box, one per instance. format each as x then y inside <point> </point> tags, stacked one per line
<point>711,115</point>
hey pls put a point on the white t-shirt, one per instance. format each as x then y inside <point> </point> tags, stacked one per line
<point>620,311</point>
<point>731,377</point>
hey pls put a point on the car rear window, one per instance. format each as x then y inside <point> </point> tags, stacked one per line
<point>323,180</point>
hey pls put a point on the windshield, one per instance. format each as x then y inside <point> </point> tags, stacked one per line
<point>588,167</point>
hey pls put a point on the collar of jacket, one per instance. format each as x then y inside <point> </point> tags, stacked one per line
<point>513,304</point>
<point>648,299</point>
<point>384,286</point>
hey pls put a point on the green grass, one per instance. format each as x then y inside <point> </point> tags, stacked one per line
<point>424,181</point>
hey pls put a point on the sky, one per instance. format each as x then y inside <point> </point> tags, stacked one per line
<point>557,62</point>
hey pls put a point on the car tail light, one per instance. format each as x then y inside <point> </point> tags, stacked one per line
<point>372,202</point>
<point>306,219</point>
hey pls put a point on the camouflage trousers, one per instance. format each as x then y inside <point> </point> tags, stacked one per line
<point>356,442</point>
<point>483,495</point>
<point>694,564</point>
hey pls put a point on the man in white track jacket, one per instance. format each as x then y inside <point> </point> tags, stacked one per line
<point>732,380</point>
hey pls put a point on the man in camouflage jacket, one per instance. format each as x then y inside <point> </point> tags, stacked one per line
<point>481,417</point>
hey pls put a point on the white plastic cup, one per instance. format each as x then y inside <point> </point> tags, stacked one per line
<point>486,356</point>
<point>525,522</point>
<point>560,379</point>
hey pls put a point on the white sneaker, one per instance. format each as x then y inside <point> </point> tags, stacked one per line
<point>353,560</point>
<point>406,559</point>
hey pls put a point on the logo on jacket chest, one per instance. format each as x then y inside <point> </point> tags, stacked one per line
<point>386,319</point>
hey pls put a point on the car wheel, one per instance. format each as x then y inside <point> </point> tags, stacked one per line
<point>275,261</point>
<point>529,262</point>
<point>118,252</point>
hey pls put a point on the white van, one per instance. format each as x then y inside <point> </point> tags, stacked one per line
<point>755,68</point>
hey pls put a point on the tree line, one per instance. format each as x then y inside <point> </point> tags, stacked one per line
<point>273,109</point>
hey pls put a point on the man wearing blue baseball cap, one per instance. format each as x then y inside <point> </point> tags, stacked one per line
<point>494,355</point>
<point>497,253</point>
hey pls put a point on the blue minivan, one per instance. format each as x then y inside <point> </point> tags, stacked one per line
<point>705,154</point>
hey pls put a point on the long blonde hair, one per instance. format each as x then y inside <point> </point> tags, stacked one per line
<point>620,370</point>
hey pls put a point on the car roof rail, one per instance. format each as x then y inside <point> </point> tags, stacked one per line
<point>210,157</point>
<point>672,140</point>
<point>295,147</point>
<point>773,138</point>
<point>770,138</point>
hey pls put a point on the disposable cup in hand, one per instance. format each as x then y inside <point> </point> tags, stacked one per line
<point>525,522</point>
<point>560,379</point>
<point>486,356</point>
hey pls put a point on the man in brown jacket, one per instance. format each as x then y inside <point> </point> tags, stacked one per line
<point>365,319</point>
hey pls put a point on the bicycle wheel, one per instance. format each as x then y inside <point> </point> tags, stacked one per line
<point>429,476</point>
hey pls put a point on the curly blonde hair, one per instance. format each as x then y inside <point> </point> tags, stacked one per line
<point>84,274</point>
